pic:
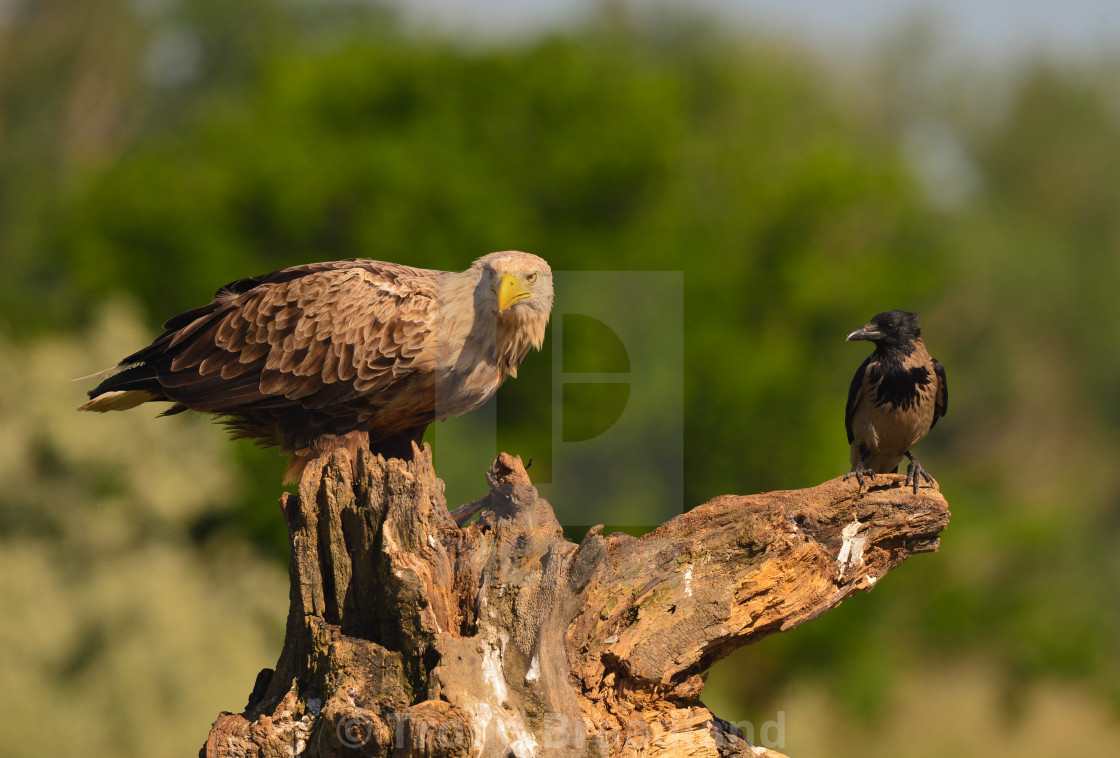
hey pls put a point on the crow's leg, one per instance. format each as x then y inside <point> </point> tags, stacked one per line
<point>914,471</point>
<point>859,472</point>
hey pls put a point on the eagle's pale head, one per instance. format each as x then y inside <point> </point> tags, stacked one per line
<point>519,283</point>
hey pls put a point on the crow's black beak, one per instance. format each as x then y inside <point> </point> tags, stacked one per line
<point>868,332</point>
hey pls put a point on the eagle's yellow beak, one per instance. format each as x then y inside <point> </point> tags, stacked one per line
<point>510,291</point>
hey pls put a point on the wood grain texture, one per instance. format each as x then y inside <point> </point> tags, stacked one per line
<point>409,635</point>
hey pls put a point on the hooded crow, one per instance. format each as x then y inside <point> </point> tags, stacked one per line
<point>896,397</point>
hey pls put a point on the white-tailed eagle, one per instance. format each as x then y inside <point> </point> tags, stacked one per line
<point>329,355</point>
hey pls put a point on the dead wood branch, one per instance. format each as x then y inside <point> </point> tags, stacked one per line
<point>410,636</point>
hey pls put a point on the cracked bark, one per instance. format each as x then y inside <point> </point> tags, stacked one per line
<point>410,636</point>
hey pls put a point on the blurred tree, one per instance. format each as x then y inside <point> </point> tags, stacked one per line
<point>229,139</point>
<point>68,97</point>
<point>113,608</point>
<point>618,150</point>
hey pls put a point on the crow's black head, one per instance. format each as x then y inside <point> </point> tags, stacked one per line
<point>890,329</point>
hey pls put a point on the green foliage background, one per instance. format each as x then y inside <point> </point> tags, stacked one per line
<point>149,154</point>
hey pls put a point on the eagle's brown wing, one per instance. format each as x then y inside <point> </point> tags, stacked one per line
<point>315,336</point>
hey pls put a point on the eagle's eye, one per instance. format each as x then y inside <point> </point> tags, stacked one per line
<point>531,279</point>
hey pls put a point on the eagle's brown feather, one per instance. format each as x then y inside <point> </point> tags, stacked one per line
<point>308,357</point>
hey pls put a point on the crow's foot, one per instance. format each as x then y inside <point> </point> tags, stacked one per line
<point>859,472</point>
<point>914,471</point>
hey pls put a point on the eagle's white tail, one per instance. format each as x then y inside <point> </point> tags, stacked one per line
<point>120,400</point>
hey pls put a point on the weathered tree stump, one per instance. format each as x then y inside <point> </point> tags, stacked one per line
<point>410,636</point>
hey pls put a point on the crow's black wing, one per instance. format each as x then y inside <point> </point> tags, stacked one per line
<point>941,395</point>
<point>855,394</point>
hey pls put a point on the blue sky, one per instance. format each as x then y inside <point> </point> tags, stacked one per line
<point>992,29</point>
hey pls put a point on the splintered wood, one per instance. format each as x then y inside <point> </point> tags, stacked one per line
<point>408,635</point>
